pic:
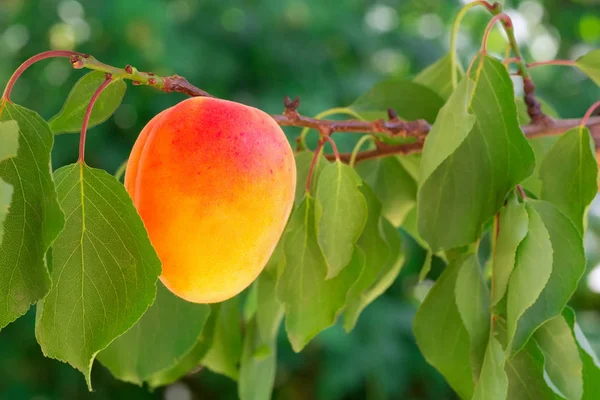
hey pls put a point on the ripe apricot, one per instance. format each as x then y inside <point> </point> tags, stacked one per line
<point>214,183</point>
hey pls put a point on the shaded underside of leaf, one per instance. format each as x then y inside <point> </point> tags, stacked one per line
<point>164,334</point>
<point>192,358</point>
<point>441,335</point>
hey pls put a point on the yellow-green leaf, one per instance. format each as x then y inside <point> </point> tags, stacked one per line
<point>70,118</point>
<point>340,215</point>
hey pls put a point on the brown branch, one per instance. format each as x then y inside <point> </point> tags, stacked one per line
<point>392,127</point>
<point>176,83</point>
<point>531,131</point>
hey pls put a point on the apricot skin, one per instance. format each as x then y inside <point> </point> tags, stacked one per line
<point>214,183</point>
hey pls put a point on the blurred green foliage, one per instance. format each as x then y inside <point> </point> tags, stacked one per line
<point>255,52</point>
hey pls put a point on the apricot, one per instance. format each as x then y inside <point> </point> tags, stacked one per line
<point>214,183</point>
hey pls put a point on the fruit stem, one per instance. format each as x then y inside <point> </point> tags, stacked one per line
<point>29,62</point>
<point>551,62</point>
<point>507,22</point>
<point>454,36</point>
<point>327,113</point>
<point>313,164</point>
<point>88,113</point>
<point>167,84</point>
<point>121,170</point>
<point>521,192</point>
<point>588,114</point>
<point>357,147</point>
<point>328,138</point>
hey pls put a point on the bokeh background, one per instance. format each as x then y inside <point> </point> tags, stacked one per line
<point>255,52</point>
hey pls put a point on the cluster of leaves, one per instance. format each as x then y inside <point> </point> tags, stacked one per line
<point>72,242</point>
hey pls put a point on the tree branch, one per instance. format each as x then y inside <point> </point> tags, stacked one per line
<point>555,127</point>
<point>392,127</point>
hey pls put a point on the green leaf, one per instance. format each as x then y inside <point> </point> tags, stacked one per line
<point>513,224</point>
<point>533,266</point>
<point>561,356</point>
<point>426,268</point>
<point>6,192</point>
<point>9,143</point>
<point>448,132</point>
<point>303,161</point>
<point>441,335</point>
<point>104,269</point>
<point>341,213</point>
<point>473,303</point>
<point>411,164</point>
<point>394,186</point>
<point>226,351</point>
<point>410,226</point>
<point>361,295</point>
<point>455,199</point>
<point>9,139</point>
<point>438,76</point>
<point>493,382</point>
<point>392,93</point>
<point>590,64</point>
<point>591,365</point>
<point>257,370</point>
<point>569,175</point>
<point>311,302</point>
<point>250,304</point>
<point>540,145</point>
<point>165,333</point>
<point>568,266</point>
<point>391,268</point>
<point>376,252</point>
<point>70,118</point>
<point>525,373</point>
<point>35,218</point>
<point>191,360</point>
